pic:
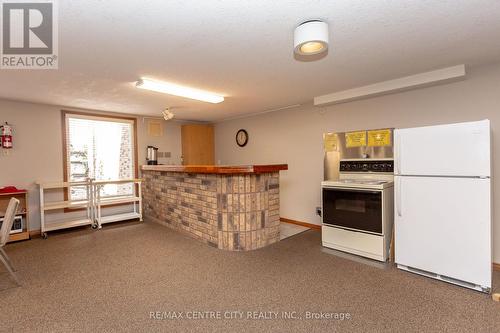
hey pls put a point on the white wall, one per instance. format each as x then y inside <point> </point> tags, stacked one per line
<point>37,152</point>
<point>295,136</point>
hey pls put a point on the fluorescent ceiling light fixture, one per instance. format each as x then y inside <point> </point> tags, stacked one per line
<point>174,89</point>
<point>311,37</point>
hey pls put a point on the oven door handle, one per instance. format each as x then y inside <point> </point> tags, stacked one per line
<point>347,189</point>
<point>399,203</point>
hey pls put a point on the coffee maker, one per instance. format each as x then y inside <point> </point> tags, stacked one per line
<point>152,155</point>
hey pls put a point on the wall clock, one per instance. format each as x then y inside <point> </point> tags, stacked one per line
<point>242,138</point>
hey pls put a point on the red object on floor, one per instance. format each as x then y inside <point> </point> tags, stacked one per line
<point>11,189</point>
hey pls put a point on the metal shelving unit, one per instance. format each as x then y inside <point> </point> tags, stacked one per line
<point>135,199</point>
<point>57,205</point>
<point>93,205</point>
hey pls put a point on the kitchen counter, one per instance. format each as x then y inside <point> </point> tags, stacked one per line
<point>233,208</point>
<point>218,169</point>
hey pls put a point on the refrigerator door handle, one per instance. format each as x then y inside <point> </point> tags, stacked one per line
<point>398,151</point>
<point>398,197</point>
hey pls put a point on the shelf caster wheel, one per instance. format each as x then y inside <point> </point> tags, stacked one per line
<point>95,226</point>
<point>44,235</point>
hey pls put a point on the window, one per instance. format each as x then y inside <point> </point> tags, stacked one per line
<point>101,148</point>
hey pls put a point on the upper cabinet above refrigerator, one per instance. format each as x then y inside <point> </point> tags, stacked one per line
<point>456,150</point>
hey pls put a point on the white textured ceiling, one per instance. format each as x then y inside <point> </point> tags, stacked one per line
<point>244,50</point>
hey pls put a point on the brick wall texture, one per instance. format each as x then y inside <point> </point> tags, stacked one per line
<point>230,212</point>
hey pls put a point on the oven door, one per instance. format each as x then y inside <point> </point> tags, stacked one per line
<point>355,209</point>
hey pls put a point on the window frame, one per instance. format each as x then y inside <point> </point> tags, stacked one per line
<point>64,115</point>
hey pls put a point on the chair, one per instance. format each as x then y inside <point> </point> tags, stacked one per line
<point>10,214</point>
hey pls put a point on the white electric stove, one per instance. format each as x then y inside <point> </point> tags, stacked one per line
<point>357,211</point>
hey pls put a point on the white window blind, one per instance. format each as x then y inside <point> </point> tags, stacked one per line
<point>100,148</point>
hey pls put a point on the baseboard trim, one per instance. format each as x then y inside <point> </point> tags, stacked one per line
<point>304,224</point>
<point>496,266</point>
<point>35,233</point>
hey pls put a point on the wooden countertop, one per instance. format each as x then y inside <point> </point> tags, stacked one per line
<point>218,169</point>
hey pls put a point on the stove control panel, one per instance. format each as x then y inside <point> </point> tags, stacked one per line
<point>367,166</point>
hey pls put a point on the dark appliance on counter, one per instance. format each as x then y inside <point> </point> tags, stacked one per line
<point>17,226</point>
<point>152,155</point>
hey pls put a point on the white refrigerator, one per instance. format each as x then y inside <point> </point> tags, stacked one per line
<point>443,202</point>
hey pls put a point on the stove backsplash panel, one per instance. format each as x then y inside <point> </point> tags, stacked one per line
<point>356,145</point>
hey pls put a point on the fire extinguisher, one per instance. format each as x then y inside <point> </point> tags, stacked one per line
<point>6,135</point>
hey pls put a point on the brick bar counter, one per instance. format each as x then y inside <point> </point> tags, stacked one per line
<point>233,208</point>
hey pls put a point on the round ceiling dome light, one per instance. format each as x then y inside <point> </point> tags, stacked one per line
<point>311,37</point>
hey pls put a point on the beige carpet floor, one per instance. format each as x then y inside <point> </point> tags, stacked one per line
<point>112,279</point>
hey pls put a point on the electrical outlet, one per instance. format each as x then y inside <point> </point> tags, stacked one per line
<point>318,211</point>
<point>164,154</point>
